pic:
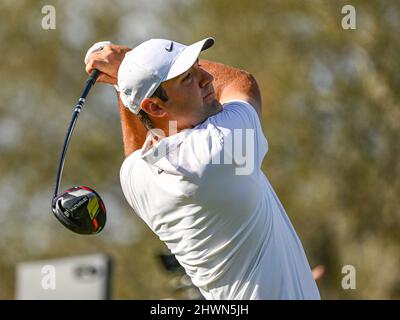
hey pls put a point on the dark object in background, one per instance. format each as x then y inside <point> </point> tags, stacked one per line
<point>170,263</point>
<point>181,280</point>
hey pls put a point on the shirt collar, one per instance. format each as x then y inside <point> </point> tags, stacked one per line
<point>153,150</point>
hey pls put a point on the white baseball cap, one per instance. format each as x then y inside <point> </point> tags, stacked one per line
<point>152,62</point>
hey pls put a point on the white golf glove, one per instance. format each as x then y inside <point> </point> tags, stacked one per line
<point>98,46</point>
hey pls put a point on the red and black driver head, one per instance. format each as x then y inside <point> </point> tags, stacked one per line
<point>81,210</point>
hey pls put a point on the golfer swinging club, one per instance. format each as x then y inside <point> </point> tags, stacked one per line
<point>186,124</point>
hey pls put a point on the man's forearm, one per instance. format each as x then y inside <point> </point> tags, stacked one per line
<point>133,130</point>
<point>232,83</point>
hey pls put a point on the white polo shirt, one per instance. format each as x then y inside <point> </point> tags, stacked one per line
<point>203,193</point>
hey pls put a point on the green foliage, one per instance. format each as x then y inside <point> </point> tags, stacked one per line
<point>331,116</point>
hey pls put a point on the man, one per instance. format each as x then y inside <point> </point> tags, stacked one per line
<point>188,180</point>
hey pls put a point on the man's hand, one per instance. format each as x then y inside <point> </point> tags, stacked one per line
<point>107,60</point>
<point>318,272</point>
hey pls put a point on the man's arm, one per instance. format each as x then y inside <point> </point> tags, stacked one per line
<point>233,84</point>
<point>133,131</point>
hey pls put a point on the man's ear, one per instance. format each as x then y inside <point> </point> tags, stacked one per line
<point>151,107</point>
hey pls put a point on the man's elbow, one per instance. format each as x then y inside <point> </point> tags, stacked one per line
<point>250,91</point>
<point>254,94</point>
<point>243,86</point>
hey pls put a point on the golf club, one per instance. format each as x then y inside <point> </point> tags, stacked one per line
<point>80,209</point>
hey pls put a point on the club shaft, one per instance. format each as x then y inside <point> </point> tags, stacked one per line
<point>81,102</point>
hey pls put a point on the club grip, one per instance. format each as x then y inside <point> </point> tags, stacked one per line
<point>90,83</point>
<point>93,76</point>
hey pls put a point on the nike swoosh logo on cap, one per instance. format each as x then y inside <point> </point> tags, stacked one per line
<point>170,47</point>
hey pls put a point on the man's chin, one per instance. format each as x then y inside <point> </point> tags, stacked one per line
<point>211,110</point>
<point>216,107</point>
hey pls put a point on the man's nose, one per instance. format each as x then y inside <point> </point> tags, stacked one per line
<point>205,78</point>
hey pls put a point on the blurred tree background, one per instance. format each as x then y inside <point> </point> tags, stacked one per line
<point>331,116</point>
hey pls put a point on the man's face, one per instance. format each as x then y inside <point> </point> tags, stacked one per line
<point>191,97</point>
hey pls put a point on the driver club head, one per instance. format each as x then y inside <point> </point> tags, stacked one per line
<point>81,210</point>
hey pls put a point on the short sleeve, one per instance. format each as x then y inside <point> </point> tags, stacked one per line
<point>238,114</point>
